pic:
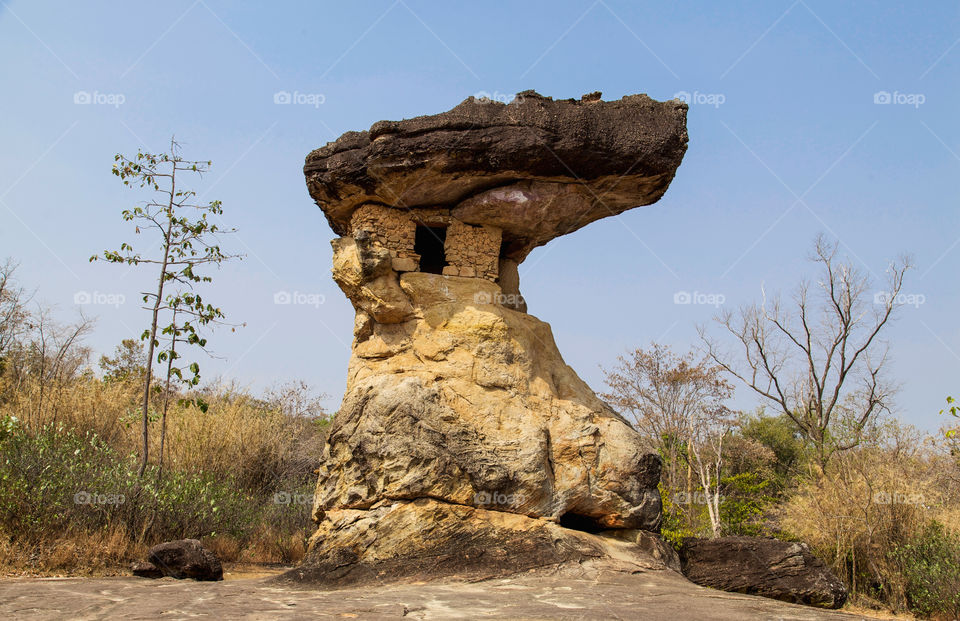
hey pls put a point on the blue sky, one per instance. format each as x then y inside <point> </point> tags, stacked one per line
<point>786,141</point>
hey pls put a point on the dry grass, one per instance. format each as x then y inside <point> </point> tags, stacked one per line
<point>871,501</point>
<point>259,446</point>
<point>77,553</point>
<point>82,404</point>
<point>266,546</point>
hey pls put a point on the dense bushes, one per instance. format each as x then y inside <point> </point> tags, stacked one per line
<point>930,565</point>
<point>871,511</point>
<point>884,515</point>
<point>56,481</point>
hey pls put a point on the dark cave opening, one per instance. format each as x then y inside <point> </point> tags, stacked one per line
<point>575,521</point>
<point>429,244</point>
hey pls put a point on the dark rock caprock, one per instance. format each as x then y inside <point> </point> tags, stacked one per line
<point>536,168</point>
<point>777,569</point>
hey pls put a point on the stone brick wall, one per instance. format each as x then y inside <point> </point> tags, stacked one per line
<point>389,228</point>
<point>472,251</point>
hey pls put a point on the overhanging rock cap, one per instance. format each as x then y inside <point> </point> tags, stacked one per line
<point>536,167</point>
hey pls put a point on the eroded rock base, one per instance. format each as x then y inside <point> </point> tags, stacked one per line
<point>425,539</point>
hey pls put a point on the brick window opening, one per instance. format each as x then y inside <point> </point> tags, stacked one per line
<point>428,243</point>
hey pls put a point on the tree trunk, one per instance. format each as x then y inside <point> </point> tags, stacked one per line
<point>166,397</point>
<point>145,430</point>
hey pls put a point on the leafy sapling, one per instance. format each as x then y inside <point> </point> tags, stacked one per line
<point>188,242</point>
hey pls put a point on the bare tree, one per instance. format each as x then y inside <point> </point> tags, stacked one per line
<point>676,402</point>
<point>56,356</point>
<point>819,358</point>
<point>707,432</point>
<point>13,309</point>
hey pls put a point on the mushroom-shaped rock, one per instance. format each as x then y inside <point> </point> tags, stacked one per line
<point>459,407</point>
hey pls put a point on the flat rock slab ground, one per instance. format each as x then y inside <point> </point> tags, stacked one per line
<point>554,594</point>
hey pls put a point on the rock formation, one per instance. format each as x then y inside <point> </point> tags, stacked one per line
<point>465,445</point>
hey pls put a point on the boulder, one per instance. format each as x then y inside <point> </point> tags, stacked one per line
<point>186,558</point>
<point>777,569</point>
<point>145,569</point>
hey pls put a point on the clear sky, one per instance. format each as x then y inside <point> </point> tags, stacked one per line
<point>786,141</point>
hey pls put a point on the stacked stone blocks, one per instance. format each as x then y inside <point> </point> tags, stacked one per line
<point>470,251</point>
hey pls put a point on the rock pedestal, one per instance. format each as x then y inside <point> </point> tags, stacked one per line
<point>465,445</point>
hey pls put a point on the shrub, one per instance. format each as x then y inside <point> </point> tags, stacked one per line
<point>57,485</point>
<point>56,480</point>
<point>869,504</point>
<point>930,564</point>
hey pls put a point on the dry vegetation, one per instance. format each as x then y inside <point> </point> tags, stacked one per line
<point>240,475</point>
<point>877,500</point>
<point>884,513</point>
